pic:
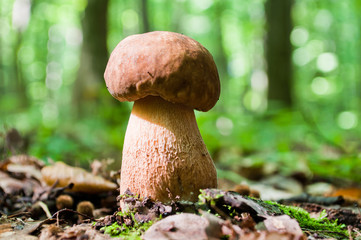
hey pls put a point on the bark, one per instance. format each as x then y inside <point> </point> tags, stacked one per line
<point>278,51</point>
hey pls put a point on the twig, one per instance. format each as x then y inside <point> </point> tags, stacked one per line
<point>349,232</point>
<point>70,210</point>
<point>45,208</point>
<point>358,234</point>
<point>18,214</point>
<point>39,225</point>
<point>48,190</point>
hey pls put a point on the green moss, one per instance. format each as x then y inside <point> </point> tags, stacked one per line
<point>321,225</point>
<point>205,197</point>
<point>209,197</point>
<point>133,231</point>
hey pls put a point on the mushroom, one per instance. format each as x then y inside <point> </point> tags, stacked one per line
<point>167,75</point>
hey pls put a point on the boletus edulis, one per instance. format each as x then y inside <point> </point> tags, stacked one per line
<point>167,75</point>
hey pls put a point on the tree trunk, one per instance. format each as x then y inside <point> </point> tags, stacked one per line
<point>278,51</point>
<point>94,55</point>
<point>220,54</point>
<point>145,17</point>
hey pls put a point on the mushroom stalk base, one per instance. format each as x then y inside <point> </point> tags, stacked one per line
<point>164,155</point>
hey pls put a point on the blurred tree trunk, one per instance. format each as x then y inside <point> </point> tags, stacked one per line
<point>278,51</point>
<point>12,72</point>
<point>94,56</point>
<point>2,65</point>
<point>20,81</point>
<point>145,17</point>
<point>221,56</point>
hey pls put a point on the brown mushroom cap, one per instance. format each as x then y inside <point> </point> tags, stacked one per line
<point>166,64</point>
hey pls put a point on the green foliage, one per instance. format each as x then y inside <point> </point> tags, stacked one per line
<point>40,58</point>
<point>128,232</point>
<point>321,225</point>
<point>203,197</point>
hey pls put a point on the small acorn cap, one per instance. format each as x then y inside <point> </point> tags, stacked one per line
<point>64,201</point>
<point>86,208</point>
<point>170,65</point>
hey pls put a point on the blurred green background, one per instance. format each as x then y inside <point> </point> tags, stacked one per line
<point>290,75</point>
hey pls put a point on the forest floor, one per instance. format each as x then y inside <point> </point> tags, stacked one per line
<point>65,202</point>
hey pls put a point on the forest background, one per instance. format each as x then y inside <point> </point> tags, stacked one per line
<point>290,76</point>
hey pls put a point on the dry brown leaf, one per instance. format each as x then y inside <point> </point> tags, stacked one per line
<point>50,232</point>
<point>181,226</point>
<point>265,235</point>
<point>284,224</point>
<point>10,185</point>
<point>29,166</point>
<point>4,228</point>
<point>83,180</point>
<point>83,231</point>
<point>23,160</point>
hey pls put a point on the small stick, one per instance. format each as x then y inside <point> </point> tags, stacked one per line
<point>18,214</point>
<point>70,210</point>
<point>349,232</point>
<point>45,208</point>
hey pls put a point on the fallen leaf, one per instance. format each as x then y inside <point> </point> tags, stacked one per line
<point>50,232</point>
<point>83,180</point>
<point>10,185</point>
<point>83,231</point>
<point>265,235</point>
<point>29,166</point>
<point>236,201</point>
<point>349,194</point>
<point>283,224</point>
<point>181,226</point>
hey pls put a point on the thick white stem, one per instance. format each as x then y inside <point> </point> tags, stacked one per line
<point>164,155</point>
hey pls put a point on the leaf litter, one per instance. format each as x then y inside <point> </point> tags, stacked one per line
<point>33,208</point>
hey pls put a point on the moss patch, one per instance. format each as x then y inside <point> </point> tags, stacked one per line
<point>321,225</point>
<point>133,230</point>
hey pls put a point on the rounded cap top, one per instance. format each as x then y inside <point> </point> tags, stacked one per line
<point>166,64</point>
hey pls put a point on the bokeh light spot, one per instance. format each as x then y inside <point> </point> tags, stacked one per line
<point>224,126</point>
<point>347,120</point>
<point>320,86</point>
<point>130,19</point>
<point>326,62</point>
<point>259,81</point>
<point>299,36</point>
<point>196,24</point>
<point>202,5</point>
<point>237,66</point>
<point>301,56</point>
<point>323,20</point>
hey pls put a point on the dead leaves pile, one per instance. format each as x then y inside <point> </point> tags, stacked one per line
<point>35,200</point>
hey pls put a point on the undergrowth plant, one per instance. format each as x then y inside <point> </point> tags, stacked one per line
<point>321,225</point>
<point>132,232</point>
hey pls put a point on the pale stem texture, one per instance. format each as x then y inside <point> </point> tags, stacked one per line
<point>164,155</point>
